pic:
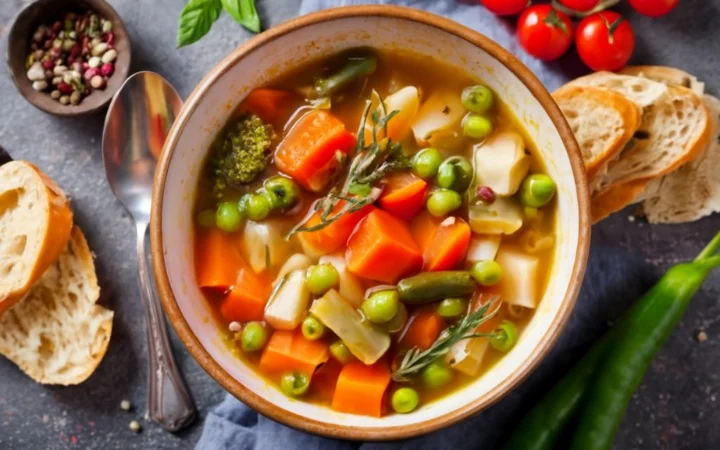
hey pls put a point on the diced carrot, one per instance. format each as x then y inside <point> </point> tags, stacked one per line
<point>334,236</point>
<point>423,228</point>
<point>217,260</point>
<point>361,389</point>
<point>381,248</point>
<point>290,351</point>
<point>404,195</point>
<point>246,301</point>
<point>449,245</point>
<point>308,153</point>
<point>424,328</point>
<point>269,104</point>
<point>325,379</point>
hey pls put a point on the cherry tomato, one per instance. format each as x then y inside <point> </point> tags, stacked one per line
<point>605,41</point>
<point>544,32</point>
<point>654,8</point>
<point>580,5</point>
<point>505,7</point>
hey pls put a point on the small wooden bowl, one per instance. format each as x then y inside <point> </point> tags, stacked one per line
<point>46,11</point>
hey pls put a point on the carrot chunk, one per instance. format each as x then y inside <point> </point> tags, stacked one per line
<point>325,379</point>
<point>290,351</point>
<point>424,328</point>
<point>423,228</point>
<point>381,248</point>
<point>449,245</point>
<point>404,195</point>
<point>308,152</point>
<point>270,104</point>
<point>361,389</point>
<point>246,301</point>
<point>334,236</point>
<point>217,260</point>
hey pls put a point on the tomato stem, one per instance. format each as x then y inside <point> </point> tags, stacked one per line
<point>580,14</point>
<point>555,21</point>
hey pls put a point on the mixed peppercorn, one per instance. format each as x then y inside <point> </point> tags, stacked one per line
<point>72,57</point>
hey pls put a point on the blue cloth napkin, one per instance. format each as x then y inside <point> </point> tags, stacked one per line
<point>613,274</point>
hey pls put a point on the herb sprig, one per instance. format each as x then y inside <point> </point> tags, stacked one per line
<point>198,16</point>
<point>415,360</point>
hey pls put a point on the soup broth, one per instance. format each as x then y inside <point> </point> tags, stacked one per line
<point>374,230</point>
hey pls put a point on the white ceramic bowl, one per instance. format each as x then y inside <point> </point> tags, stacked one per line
<point>284,47</point>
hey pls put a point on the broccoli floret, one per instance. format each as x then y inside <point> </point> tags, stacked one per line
<point>241,153</point>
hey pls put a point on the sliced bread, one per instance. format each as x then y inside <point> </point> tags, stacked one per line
<point>58,334</point>
<point>667,75</point>
<point>35,224</point>
<point>603,122</point>
<point>692,191</point>
<point>615,198</point>
<point>642,91</point>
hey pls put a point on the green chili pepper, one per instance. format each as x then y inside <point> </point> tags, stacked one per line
<point>355,69</point>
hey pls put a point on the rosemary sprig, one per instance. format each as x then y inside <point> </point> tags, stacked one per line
<point>416,360</point>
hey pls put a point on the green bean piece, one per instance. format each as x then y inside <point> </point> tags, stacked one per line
<point>257,205</point>
<point>381,306</point>
<point>431,287</point>
<point>321,278</point>
<point>436,375</point>
<point>426,162</point>
<point>294,384</point>
<point>452,307</point>
<point>487,273</point>
<point>455,173</point>
<point>283,192</point>
<point>476,126</point>
<point>312,328</point>
<point>506,336</point>
<point>254,337</point>
<point>442,202</point>
<point>353,70</point>
<point>537,190</point>
<point>405,400</point>
<point>340,352</point>
<point>477,99</point>
<point>206,218</point>
<point>228,217</point>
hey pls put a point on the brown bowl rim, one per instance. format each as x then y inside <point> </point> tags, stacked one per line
<point>342,431</point>
<point>88,106</point>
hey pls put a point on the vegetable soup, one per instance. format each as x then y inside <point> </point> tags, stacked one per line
<point>373,231</point>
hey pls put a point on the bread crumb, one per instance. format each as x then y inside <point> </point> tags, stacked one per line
<point>125,405</point>
<point>701,336</point>
<point>135,426</point>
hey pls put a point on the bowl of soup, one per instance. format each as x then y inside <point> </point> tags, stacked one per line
<point>369,223</point>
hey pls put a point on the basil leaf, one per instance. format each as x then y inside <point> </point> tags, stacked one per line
<point>196,19</point>
<point>244,13</point>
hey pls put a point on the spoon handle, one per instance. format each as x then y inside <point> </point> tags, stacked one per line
<point>169,402</point>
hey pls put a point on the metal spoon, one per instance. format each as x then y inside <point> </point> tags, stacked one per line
<point>138,120</point>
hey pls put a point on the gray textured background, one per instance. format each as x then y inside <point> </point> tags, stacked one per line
<point>675,408</point>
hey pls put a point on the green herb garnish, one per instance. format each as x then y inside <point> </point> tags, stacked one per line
<point>198,16</point>
<point>415,360</point>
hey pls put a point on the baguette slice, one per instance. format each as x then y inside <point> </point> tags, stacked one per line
<point>642,91</point>
<point>603,122</point>
<point>35,224</point>
<point>692,191</point>
<point>667,75</point>
<point>615,198</point>
<point>57,334</point>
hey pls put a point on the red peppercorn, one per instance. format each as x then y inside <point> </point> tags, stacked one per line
<point>75,51</point>
<point>107,69</point>
<point>486,194</point>
<point>65,88</point>
<point>47,44</point>
<point>85,66</point>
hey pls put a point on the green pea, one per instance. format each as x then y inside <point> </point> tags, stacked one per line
<point>228,217</point>
<point>506,336</point>
<point>476,126</point>
<point>537,190</point>
<point>397,323</point>
<point>442,202</point>
<point>477,99</point>
<point>436,374</point>
<point>452,307</point>
<point>312,328</point>
<point>254,337</point>
<point>321,278</point>
<point>206,218</point>
<point>340,352</point>
<point>455,173</point>
<point>294,384</point>
<point>426,162</point>
<point>381,306</point>
<point>405,400</point>
<point>487,273</point>
<point>257,206</point>
<point>283,192</point>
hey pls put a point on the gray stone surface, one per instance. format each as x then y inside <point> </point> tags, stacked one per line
<point>675,408</point>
